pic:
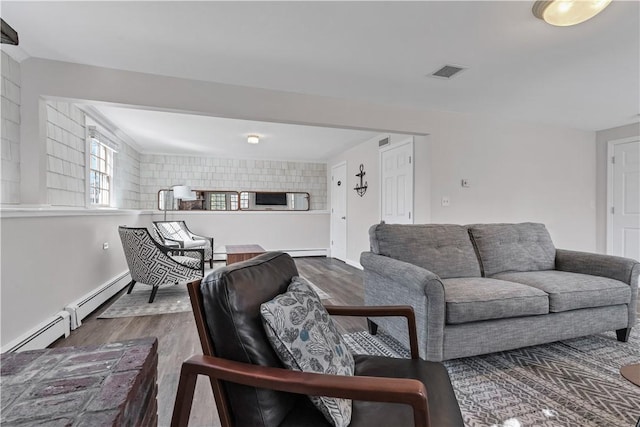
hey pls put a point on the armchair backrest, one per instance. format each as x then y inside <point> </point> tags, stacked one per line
<point>226,307</point>
<point>174,230</point>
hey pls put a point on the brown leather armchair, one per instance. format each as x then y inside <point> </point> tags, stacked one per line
<point>252,389</point>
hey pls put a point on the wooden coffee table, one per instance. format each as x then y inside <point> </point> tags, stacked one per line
<point>237,253</point>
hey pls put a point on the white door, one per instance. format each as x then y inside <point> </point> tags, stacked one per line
<point>396,183</point>
<point>624,211</point>
<point>339,211</point>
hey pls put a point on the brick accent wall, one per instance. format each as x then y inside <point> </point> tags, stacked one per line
<point>10,191</point>
<point>107,385</point>
<point>210,173</point>
<point>66,147</point>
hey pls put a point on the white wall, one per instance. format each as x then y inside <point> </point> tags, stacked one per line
<point>126,175</point>
<point>274,231</point>
<point>602,138</point>
<point>10,191</point>
<point>209,173</point>
<point>517,172</point>
<point>51,258</point>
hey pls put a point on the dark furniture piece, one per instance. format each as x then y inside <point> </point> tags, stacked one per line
<point>237,253</point>
<point>177,233</point>
<point>102,385</point>
<point>154,264</point>
<point>252,389</point>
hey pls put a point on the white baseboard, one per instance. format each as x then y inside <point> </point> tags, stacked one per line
<point>42,335</point>
<point>354,264</point>
<point>82,307</point>
<point>306,252</point>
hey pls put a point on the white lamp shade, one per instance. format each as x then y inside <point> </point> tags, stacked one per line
<point>183,192</point>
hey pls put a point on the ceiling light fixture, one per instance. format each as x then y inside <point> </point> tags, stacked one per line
<point>563,13</point>
<point>253,139</point>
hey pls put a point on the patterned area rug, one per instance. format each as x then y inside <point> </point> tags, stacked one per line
<point>568,383</point>
<point>169,299</point>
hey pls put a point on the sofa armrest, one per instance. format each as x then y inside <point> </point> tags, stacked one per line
<point>388,281</point>
<point>623,269</point>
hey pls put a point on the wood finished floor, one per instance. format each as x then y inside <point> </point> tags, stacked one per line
<point>178,338</point>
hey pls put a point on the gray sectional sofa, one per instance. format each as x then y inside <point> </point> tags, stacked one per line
<point>483,288</point>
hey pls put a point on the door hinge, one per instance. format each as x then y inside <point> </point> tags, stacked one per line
<point>409,214</point>
<point>332,243</point>
<point>332,178</point>
<point>613,160</point>
<point>409,159</point>
<point>613,210</point>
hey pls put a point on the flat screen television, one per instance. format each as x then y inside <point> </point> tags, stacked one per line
<point>271,199</point>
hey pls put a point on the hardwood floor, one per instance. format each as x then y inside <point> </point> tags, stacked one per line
<point>178,338</point>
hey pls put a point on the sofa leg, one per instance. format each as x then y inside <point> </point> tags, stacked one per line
<point>623,334</point>
<point>373,327</point>
<point>211,263</point>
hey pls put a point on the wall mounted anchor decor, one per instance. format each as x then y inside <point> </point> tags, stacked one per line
<point>362,188</point>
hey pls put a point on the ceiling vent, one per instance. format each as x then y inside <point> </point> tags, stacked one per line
<point>447,72</point>
<point>383,142</point>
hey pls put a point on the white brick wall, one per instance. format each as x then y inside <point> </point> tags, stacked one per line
<point>66,142</point>
<point>209,173</point>
<point>10,191</point>
<point>126,171</point>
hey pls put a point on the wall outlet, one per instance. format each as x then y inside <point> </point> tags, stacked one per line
<point>105,245</point>
<point>445,201</point>
<point>465,183</point>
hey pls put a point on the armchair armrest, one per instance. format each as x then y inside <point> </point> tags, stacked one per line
<point>383,311</point>
<point>623,269</point>
<point>395,390</point>
<point>198,251</point>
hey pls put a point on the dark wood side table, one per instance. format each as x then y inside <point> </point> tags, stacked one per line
<point>237,253</point>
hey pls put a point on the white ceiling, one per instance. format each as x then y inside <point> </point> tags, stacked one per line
<point>172,133</point>
<point>585,77</point>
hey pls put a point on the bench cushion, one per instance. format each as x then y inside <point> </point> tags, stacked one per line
<point>445,250</point>
<point>513,247</point>
<point>571,291</point>
<point>474,299</point>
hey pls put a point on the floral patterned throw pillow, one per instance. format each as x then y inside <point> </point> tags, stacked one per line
<point>306,339</point>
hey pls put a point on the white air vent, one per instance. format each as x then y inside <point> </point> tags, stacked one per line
<point>383,142</point>
<point>447,72</point>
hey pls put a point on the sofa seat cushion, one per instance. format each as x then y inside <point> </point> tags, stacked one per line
<point>443,249</point>
<point>473,299</point>
<point>513,247</point>
<point>571,291</point>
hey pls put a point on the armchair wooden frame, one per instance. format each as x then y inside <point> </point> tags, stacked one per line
<point>376,389</point>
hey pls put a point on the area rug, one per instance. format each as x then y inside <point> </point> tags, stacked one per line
<point>568,383</point>
<point>169,299</point>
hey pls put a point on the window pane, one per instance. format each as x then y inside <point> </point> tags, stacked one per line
<point>95,148</point>
<point>94,162</point>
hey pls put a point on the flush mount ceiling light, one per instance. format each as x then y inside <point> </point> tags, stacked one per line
<point>253,139</point>
<point>563,13</point>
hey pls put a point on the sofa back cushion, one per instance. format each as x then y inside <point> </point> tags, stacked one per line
<point>446,250</point>
<point>513,247</point>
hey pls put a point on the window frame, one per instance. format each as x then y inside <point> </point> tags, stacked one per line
<point>104,173</point>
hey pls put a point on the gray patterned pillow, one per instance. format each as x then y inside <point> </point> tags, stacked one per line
<point>306,339</point>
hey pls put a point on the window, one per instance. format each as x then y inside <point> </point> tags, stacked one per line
<point>218,202</point>
<point>100,174</point>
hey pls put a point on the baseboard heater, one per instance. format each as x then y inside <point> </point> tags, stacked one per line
<point>87,304</point>
<point>42,335</point>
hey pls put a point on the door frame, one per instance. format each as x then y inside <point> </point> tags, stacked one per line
<point>346,208</point>
<point>404,141</point>
<point>610,150</point>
